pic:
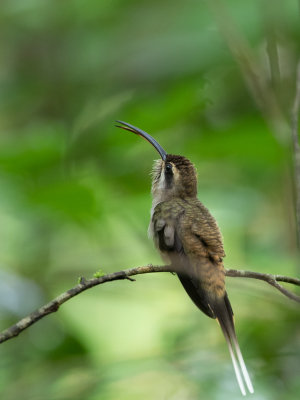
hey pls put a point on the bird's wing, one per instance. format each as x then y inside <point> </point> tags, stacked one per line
<point>180,231</point>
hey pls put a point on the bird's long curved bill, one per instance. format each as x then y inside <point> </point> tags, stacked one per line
<point>145,135</point>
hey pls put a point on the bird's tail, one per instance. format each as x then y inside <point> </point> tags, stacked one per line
<point>224,315</point>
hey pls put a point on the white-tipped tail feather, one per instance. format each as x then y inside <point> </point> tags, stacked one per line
<point>238,362</point>
<point>236,369</point>
<point>243,365</point>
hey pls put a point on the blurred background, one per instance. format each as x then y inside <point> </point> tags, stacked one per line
<point>212,81</point>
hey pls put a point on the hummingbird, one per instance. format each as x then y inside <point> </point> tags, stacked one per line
<point>188,237</point>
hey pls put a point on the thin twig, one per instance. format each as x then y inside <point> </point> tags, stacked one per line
<point>85,284</point>
<point>272,52</point>
<point>269,278</point>
<point>296,149</point>
<point>271,23</point>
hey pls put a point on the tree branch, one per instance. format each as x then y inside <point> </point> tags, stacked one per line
<point>270,279</point>
<point>84,284</point>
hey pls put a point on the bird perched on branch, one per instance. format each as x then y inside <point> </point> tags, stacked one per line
<point>188,237</point>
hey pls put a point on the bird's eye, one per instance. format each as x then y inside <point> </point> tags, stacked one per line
<point>168,168</point>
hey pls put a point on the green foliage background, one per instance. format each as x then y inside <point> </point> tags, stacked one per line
<point>74,197</point>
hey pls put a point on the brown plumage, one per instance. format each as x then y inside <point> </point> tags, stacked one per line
<point>188,237</point>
